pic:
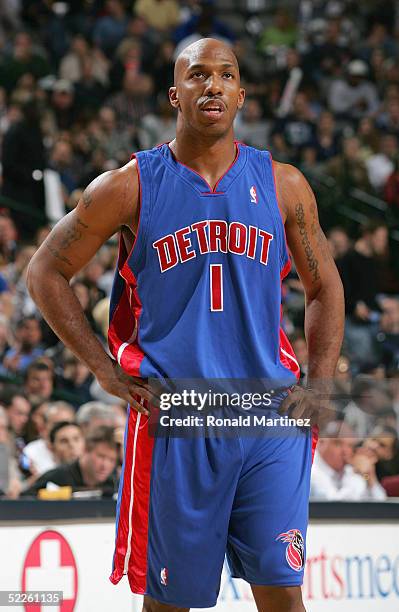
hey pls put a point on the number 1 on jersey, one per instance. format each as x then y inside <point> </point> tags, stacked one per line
<point>216,287</point>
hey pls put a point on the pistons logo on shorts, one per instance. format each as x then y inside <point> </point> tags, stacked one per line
<point>295,551</point>
<point>164,576</point>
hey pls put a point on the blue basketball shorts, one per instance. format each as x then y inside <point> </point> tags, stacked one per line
<point>185,503</point>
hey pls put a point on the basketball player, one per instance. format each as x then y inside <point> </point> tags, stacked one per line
<point>198,294</point>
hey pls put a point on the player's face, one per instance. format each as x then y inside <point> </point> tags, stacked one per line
<point>208,92</point>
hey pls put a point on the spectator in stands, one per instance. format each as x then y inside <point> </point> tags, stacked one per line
<point>18,411</point>
<point>250,127</point>
<point>381,165</point>
<point>342,387</point>
<point>89,90</point>
<point>23,161</point>
<point>116,143</point>
<point>298,343</point>
<point>66,442</point>
<point>10,478</point>
<point>388,121</point>
<point>161,15</point>
<point>393,385</point>
<point>96,165</point>
<point>163,68</point>
<point>387,337</point>
<point>338,241</point>
<point>39,381</point>
<point>27,346</point>
<point>282,33</point>
<point>370,400</point>
<point>369,137</point>
<point>329,51</point>
<point>63,104</point>
<point>391,189</point>
<point>353,96</point>
<point>383,446</point>
<point>81,289</point>
<point>326,140</point>
<point>358,269</point>
<point>8,238</point>
<point>337,474</point>
<point>298,127</point>
<point>134,101</point>
<point>76,380</point>
<point>349,168</point>
<point>23,60</point>
<point>203,23</point>
<point>37,423</point>
<point>110,29</point>
<point>95,414</point>
<point>71,66</point>
<point>63,162</point>
<point>39,453</point>
<point>5,337</point>
<point>160,126</point>
<point>129,58</point>
<point>95,469</point>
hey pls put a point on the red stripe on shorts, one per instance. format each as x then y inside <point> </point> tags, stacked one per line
<point>132,537</point>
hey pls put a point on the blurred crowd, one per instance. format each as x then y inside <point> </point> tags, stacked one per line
<point>82,86</point>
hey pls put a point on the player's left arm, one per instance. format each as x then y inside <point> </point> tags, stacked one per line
<point>324,309</point>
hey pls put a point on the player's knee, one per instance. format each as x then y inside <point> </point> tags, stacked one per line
<point>151,605</point>
<point>284,599</point>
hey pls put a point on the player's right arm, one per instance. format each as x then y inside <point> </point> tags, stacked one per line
<point>108,204</point>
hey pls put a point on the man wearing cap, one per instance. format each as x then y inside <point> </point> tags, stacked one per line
<point>353,96</point>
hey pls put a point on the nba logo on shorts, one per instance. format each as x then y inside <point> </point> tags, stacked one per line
<point>164,576</point>
<point>253,194</point>
<point>295,551</point>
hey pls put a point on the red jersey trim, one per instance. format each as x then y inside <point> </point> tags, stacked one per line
<point>124,326</point>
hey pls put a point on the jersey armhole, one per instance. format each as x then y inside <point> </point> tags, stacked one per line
<point>135,256</point>
<point>285,260</point>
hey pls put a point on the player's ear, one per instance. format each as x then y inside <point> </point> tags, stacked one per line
<point>173,97</point>
<point>241,98</point>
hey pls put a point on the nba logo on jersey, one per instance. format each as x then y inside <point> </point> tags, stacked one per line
<point>253,194</point>
<point>164,576</point>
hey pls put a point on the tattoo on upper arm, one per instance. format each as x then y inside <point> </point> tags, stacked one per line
<point>72,234</point>
<point>313,264</point>
<point>318,233</point>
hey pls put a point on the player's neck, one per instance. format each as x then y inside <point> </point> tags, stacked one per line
<point>211,158</point>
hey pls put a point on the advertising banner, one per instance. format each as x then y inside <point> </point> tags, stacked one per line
<point>351,566</point>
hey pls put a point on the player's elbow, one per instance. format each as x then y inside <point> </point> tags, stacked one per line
<point>329,290</point>
<point>36,275</point>
<point>31,276</point>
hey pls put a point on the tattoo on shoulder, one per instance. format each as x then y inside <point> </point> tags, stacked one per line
<point>313,264</point>
<point>72,234</point>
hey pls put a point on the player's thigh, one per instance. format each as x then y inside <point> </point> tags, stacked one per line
<point>267,531</point>
<point>151,605</point>
<point>283,599</point>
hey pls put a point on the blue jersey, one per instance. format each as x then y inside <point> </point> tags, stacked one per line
<point>199,295</point>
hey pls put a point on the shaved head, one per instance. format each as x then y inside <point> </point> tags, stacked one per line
<point>194,53</point>
<point>206,93</point>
